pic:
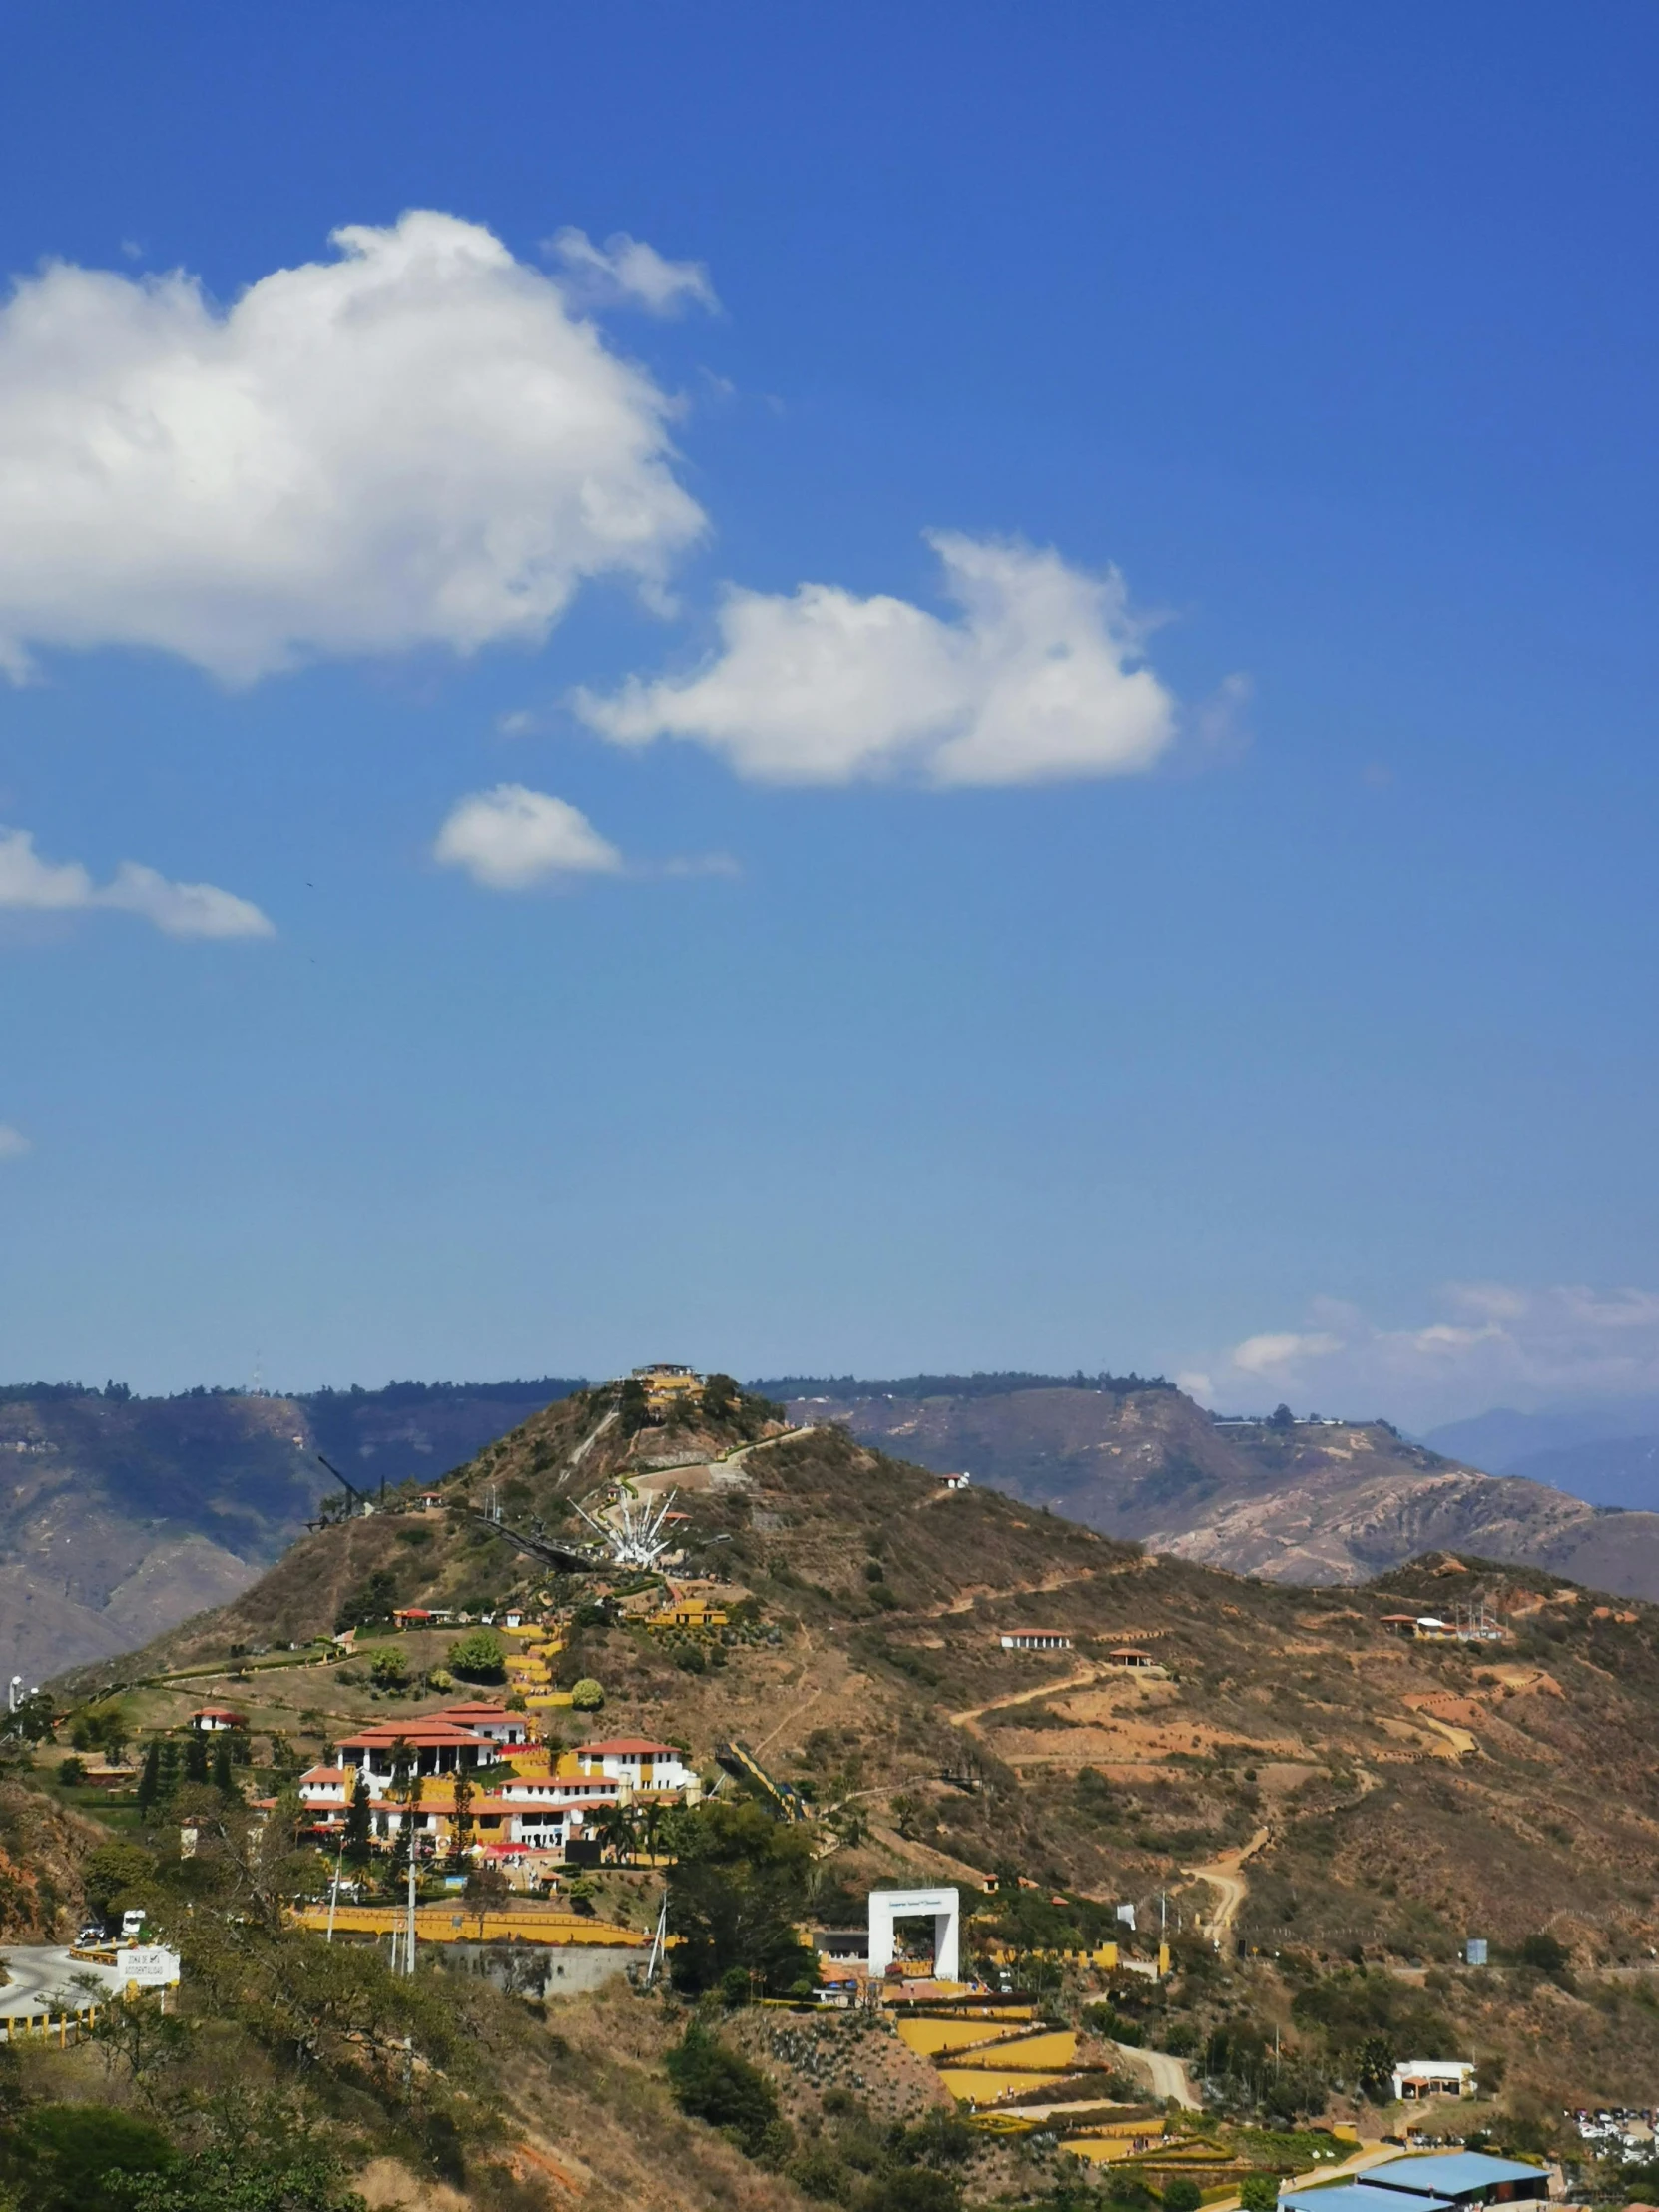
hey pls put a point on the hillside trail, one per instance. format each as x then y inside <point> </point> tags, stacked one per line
<point>1223,1873</point>
<point>588,1441</point>
<point>968,1599</point>
<point>1078,1681</point>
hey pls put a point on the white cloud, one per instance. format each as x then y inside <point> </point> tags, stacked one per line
<point>627,269</point>
<point>510,838</point>
<point>1266,1354</point>
<point>1040,679</point>
<point>418,442</point>
<point>1491,1344</point>
<point>29,885</point>
<point>13,1143</point>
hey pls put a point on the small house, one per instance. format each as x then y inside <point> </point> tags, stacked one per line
<point>1129,1655</point>
<point>1417,2078</point>
<point>214,1720</point>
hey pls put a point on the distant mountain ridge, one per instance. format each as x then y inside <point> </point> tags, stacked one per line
<point>120,1515</point>
<point>1316,1504</point>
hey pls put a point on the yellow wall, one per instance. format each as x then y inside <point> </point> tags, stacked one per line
<point>984,2086</point>
<point>931,2036</point>
<point>1058,2048</point>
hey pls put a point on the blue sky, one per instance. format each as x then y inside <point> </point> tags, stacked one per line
<point>646,915</point>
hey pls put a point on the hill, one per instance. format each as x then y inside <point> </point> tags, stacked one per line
<point>1310,1501</point>
<point>1413,1793</point>
<point>123,1514</point>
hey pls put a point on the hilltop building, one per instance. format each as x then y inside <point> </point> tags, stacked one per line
<point>665,1383</point>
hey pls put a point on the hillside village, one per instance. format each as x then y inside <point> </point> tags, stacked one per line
<point>650,1705</point>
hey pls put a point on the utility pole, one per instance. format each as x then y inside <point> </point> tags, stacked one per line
<point>410,1947</point>
<point>333,1901</point>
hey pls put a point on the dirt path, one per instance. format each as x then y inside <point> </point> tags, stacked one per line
<point>1223,1873</point>
<point>968,1599</point>
<point>1079,1681</point>
<point>1169,2076</point>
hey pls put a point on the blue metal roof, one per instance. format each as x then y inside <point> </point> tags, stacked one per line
<point>1345,2195</point>
<point>1453,2173</point>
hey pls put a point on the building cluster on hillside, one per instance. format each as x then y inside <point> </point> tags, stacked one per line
<point>1470,1624</point>
<point>470,1778</point>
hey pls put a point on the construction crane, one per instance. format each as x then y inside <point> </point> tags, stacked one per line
<point>359,1498</point>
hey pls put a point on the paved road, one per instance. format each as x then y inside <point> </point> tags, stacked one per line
<point>42,1979</point>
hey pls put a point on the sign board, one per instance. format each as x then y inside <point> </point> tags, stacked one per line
<point>1474,1952</point>
<point>1126,1913</point>
<point>149,1967</point>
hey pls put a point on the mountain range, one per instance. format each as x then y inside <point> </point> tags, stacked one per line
<point>1316,1502</point>
<point>120,1515</point>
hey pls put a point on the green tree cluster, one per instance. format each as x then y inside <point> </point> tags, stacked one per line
<point>737,1892</point>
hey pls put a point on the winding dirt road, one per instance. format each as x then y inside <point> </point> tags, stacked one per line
<point>1223,1874</point>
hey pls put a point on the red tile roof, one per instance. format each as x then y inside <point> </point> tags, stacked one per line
<point>418,1735</point>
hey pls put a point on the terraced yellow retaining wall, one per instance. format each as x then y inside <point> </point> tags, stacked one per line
<point>930,2037</point>
<point>453,1924</point>
<point>983,2086</point>
<point>1056,2048</point>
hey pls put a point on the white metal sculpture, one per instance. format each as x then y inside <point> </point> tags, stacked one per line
<point>636,1534</point>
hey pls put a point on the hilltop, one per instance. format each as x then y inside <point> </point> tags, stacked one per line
<point>120,1515</point>
<point>1307,1501</point>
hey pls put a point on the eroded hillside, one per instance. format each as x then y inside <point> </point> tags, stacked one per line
<point>1314,1502</point>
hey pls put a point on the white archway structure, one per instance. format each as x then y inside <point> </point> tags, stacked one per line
<point>942,1907</point>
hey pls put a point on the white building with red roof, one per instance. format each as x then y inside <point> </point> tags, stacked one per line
<point>638,1761</point>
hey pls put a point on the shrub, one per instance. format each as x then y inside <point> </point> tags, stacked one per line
<point>71,1771</point>
<point>1546,1954</point>
<point>66,2156</point>
<point>712,2083</point>
<point>478,1657</point>
<point>1257,2193</point>
<point>587,1696</point>
<point>389,1670</point>
<point>1182,2195</point>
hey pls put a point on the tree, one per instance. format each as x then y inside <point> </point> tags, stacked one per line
<point>587,1696</point>
<point>359,1824</point>
<point>461,1829</point>
<point>1257,2193</point>
<point>1547,1953</point>
<point>371,1600</point>
<point>1374,2067</point>
<point>34,1719</point>
<point>196,1756</point>
<point>737,1896</point>
<point>712,2083</point>
<point>115,1876</point>
<point>150,1775</point>
<point>478,1657</point>
<point>223,1779</point>
<point>1283,1417</point>
<point>389,1670</point>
